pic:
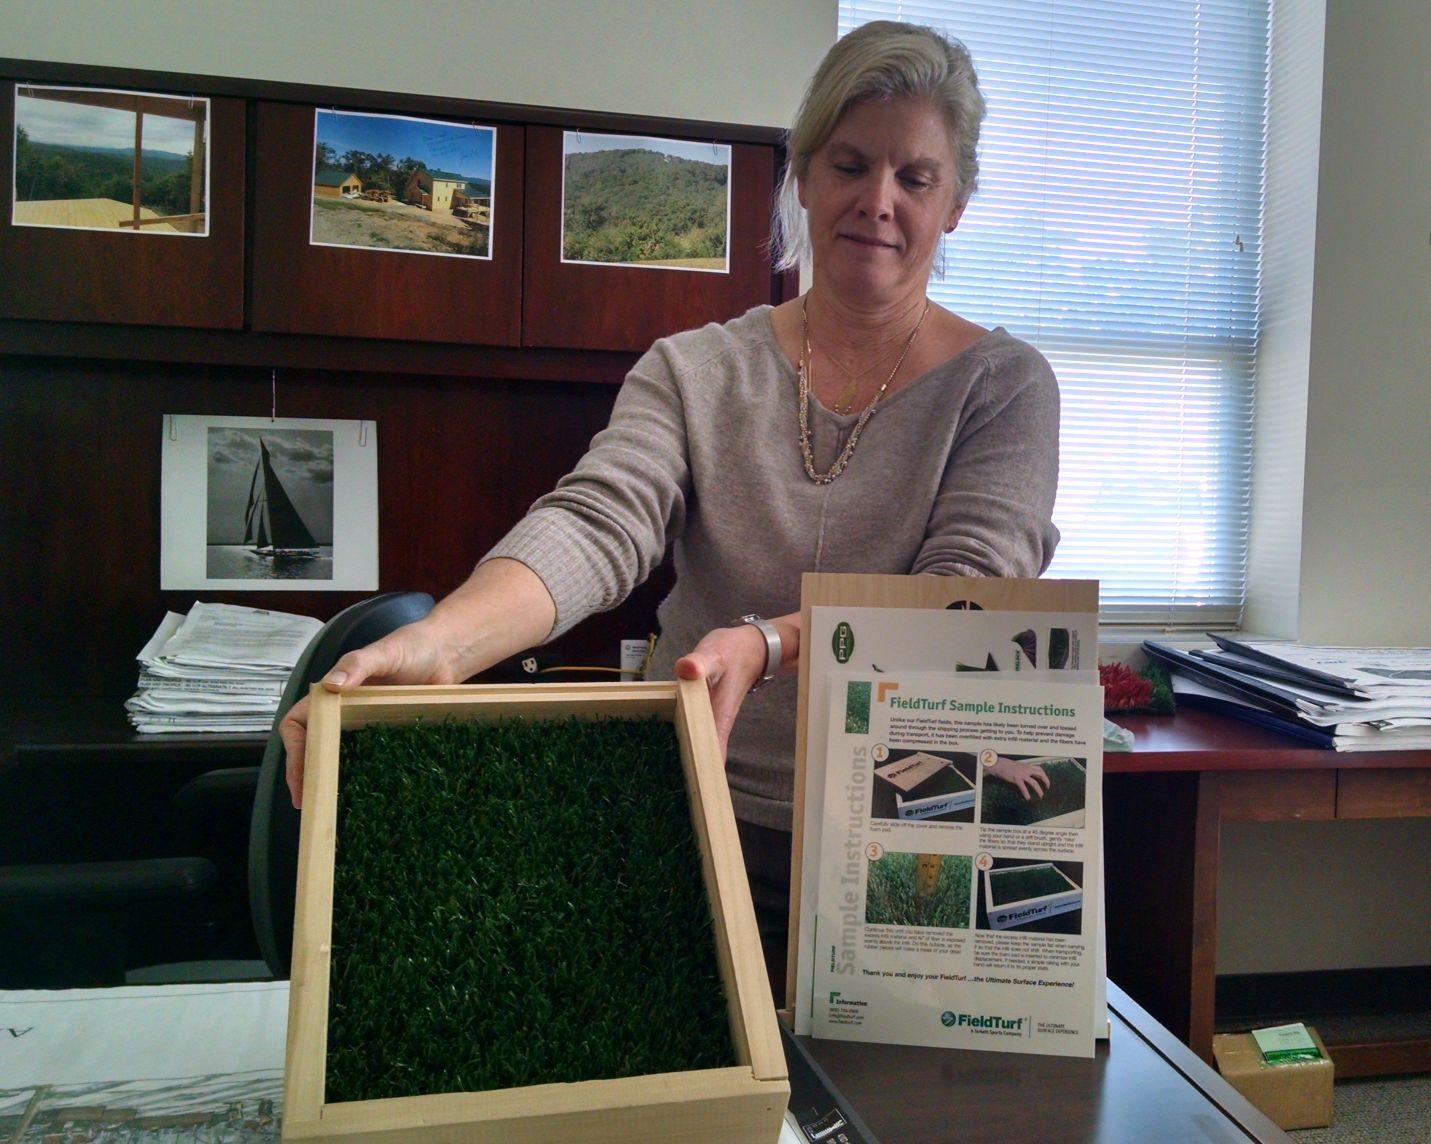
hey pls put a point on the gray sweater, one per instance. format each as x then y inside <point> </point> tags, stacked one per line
<point>954,474</point>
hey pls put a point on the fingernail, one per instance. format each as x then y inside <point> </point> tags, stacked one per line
<point>336,678</point>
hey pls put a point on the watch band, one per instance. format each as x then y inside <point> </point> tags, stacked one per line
<point>773,648</point>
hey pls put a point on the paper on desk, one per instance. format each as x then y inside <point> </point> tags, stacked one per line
<point>980,933</point>
<point>230,636</point>
<point>220,668</point>
<point>912,640</point>
<point>1380,672</point>
<point>168,1051</point>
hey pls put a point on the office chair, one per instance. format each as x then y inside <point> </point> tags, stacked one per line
<point>105,923</point>
<point>273,835</point>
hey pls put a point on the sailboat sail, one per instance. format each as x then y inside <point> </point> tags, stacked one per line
<point>271,523</point>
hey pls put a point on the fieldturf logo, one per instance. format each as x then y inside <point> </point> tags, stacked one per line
<point>982,1021</point>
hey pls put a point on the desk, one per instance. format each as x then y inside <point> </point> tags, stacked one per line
<point>1164,804</point>
<point>79,784</point>
<point>1143,1084</point>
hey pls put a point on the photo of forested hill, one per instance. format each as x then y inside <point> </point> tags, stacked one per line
<point>650,204</point>
<point>75,160</point>
<point>58,171</point>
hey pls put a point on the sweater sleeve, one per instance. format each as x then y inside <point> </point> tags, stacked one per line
<point>605,526</point>
<point>993,512</point>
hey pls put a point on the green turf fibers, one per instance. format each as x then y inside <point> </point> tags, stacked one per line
<point>1020,883</point>
<point>517,903</point>
<point>1005,804</point>
<point>891,899</point>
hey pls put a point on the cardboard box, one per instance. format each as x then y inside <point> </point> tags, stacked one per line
<point>732,1105</point>
<point>1294,1094</point>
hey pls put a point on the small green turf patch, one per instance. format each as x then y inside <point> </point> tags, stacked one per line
<point>517,903</point>
<point>891,900</point>
<point>1004,804</point>
<point>1020,883</point>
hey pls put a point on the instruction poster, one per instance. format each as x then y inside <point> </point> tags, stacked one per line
<point>1018,646</point>
<point>957,898</point>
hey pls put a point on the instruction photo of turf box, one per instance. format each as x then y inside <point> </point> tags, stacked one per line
<point>923,785</point>
<point>1057,803</point>
<point>522,915</point>
<point>1028,893</point>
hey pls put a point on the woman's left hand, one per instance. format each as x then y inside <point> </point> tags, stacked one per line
<point>730,660</point>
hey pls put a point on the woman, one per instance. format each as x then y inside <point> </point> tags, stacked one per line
<point>856,428</point>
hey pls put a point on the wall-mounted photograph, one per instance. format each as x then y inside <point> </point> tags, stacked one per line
<point>633,200</point>
<point>253,503</point>
<point>393,182</point>
<point>120,161</point>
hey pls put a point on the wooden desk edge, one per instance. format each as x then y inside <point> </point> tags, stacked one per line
<point>1191,1067</point>
<point>1192,740</point>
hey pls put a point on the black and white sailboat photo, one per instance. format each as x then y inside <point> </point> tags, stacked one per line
<point>271,524</point>
<point>270,504</point>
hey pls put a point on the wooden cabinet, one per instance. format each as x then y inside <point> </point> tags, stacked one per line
<point>65,273</point>
<point>625,307</point>
<point>278,280</point>
<point>101,335</point>
<point>1389,793</point>
<point>365,292</point>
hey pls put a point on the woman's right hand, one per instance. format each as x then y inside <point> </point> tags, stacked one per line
<point>1030,779</point>
<point>412,654</point>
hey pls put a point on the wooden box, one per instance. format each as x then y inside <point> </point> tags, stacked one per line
<point>741,1103</point>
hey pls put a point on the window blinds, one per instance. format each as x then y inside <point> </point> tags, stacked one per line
<point>1117,227</point>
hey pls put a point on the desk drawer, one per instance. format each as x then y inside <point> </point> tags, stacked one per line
<point>1275,796</point>
<point>1383,793</point>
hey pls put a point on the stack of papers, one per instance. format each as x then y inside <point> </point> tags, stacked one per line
<point>1350,699</point>
<point>220,668</point>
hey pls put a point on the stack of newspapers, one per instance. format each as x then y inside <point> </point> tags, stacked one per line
<point>1347,698</point>
<point>220,668</point>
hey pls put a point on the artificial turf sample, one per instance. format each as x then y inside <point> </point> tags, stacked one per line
<point>517,903</point>
<point>891,900</point>
<point>1020,883</point>
<point>1004,804</point>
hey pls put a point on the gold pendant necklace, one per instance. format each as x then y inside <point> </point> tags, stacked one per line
<point>806,453</point>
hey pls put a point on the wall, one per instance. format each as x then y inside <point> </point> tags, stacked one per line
<point>727,63</point>
<point>1308,896</point>
<point>1289,248</point>
<point>1367,515</point>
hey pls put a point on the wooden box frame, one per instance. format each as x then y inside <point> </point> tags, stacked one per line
<point>741,1103</point>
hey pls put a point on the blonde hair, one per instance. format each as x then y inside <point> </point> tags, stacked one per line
<point>879,60</point>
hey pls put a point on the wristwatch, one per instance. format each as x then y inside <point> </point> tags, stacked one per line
<point>773,649</point>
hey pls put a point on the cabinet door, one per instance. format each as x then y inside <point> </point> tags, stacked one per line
<point>586,305</point>
<point>70,259</point>
<point>349,286</point>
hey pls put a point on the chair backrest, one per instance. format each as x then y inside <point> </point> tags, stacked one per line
<point>273,837</point>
